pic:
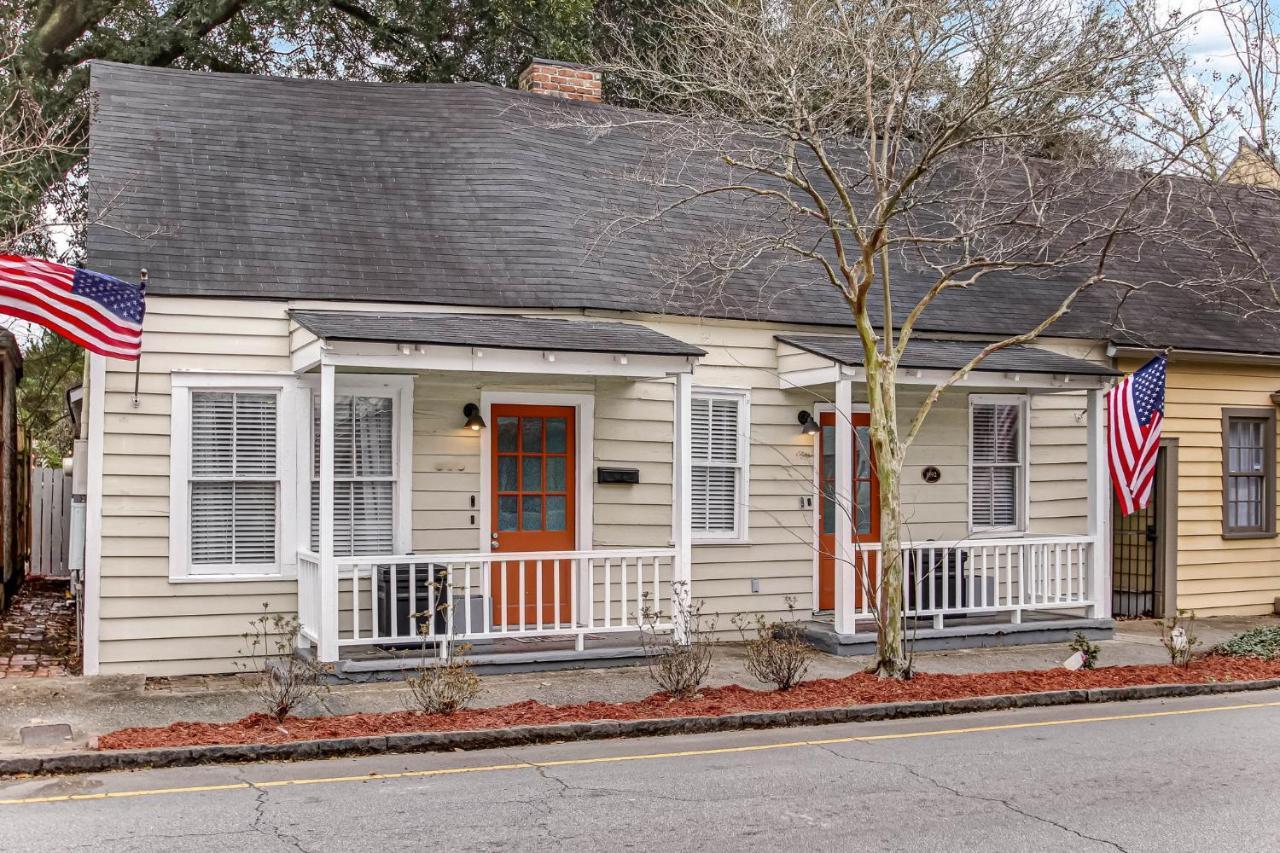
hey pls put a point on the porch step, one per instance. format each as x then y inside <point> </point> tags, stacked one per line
<point>823,635</point>
<point>387,668</point>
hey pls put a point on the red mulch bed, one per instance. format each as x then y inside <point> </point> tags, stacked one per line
<point>857,689</point>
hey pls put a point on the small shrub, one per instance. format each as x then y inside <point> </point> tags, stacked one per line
<point>438,687</point>
<point>678,668</point>
<point>283,680</point>
<point>443,688</point>
<point>779,654</point>
<point>1177,633</point>
<point>1262,642</point>
<point>1089,651</point>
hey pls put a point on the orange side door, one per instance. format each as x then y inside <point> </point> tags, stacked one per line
<point>866,506</point>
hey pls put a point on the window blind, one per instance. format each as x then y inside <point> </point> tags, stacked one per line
<point>996,473</point>
<point>364,475</point>
<point>234,481</point>
<point>717,464</point>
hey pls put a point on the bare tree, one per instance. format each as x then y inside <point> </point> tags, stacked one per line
<point>28,141</point>
<point>904,153</point>
<point>1216,117</point>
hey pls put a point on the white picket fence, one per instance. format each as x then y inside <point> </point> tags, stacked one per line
<point>50,522</point>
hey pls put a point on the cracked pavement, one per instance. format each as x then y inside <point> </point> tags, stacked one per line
<point>1124,777</point>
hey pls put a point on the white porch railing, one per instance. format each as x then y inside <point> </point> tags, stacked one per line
<point>473,596</point>
<point>968,577</point>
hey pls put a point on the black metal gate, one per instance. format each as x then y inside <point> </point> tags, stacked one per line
<point>1137,554</point>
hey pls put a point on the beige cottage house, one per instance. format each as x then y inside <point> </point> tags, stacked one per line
<point>390,368</point>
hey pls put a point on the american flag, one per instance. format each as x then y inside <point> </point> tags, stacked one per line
<point>100,313</point>
<point>1135,409</point>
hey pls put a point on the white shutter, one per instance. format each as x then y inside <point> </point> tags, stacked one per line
<point>714,499</point>
<point>364,475</point>
<point>996,475</point>
<point>717,464</point>
<point>234,483</point>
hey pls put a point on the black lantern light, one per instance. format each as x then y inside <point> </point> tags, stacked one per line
<point>474,421</point>
<point>808,423</point>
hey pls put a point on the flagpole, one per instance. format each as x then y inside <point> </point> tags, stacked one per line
<point>137,364</point>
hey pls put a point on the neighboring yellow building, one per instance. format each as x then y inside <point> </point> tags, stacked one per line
<point>1225,558</point>
<point>1251,166</point>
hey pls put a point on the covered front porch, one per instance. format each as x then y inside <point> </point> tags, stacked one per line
<point>488,427</point>
<point>1027,562</point>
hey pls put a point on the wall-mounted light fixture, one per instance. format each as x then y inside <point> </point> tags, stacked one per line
<point>808,423</point>
<point>472,413</point>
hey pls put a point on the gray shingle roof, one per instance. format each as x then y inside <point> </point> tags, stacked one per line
<point>244,186</point>
<point>928,354</point>
<point>504,331</point>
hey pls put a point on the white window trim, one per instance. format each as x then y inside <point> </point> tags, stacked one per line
<point>1024,483</point>
<point>741,534</point>
<point>400,388</point>
<point>288,391</point>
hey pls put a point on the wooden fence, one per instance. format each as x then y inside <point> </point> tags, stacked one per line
<point>50,521</point>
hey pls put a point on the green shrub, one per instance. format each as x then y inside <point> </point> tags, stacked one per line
<point>1262,642</point>
<point>1088,651</point>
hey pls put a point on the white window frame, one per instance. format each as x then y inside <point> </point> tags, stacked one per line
<point>287,389</point>
<point>1022,401</point>
<point>740,535</point>
<point>399,387</point>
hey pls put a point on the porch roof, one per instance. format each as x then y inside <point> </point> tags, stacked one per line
<point>931,354</point>
<point>496,331</point>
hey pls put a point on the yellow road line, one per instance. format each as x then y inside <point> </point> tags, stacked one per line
<point>612,759</point>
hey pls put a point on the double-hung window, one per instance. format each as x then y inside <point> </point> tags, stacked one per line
<point>997,468</point>
<point>1248,472</point>
<point>719,443</point>
<point>232,489</point>
<point>366,462</point>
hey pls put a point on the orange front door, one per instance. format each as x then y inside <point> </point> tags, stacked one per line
<point>866,503</point>
<point>532,493</point>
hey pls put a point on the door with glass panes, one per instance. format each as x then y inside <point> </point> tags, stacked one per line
<point>865,524</point>
<point>532,510</point>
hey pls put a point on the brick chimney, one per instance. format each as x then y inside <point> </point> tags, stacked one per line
<point>566,80</point>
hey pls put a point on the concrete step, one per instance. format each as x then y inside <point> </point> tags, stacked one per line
<point>823,635</point>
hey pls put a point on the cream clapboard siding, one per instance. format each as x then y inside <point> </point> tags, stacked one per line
<point>1216,576</point>
<point>154,626</point>
<point>147,623</point>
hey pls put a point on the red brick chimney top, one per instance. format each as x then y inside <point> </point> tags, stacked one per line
<point>566,80</point>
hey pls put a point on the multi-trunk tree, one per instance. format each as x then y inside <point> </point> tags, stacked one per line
<point>901,152</point>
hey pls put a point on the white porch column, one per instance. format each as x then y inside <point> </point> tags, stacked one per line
<point>1099,502</point>
<point>327,650</point>
<point>844,557</point>
<point>682,501</point>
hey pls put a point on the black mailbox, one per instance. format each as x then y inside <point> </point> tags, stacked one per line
<point>618,475</point>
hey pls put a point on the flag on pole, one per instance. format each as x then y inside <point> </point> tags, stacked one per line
<point>100,313</point>
<point>1135,414</point>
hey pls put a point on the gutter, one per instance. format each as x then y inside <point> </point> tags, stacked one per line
<point>1117,351</point>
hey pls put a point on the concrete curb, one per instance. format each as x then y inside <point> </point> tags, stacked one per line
<point>136,759</point>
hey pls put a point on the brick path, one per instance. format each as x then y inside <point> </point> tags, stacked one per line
<point>38,632</point>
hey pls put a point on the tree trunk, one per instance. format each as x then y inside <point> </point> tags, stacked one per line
<point>891,655</point>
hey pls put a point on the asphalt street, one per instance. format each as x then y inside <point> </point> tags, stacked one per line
<point>1180,775</point>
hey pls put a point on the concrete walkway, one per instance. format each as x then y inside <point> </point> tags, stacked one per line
<point>101,704</point>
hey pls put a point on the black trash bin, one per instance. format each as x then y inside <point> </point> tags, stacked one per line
<point>405,626</point>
